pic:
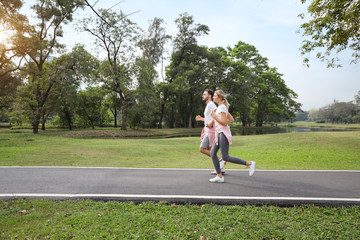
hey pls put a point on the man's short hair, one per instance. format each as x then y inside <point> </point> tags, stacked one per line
<point>210,92</point>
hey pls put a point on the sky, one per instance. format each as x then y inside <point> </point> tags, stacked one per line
<point>270,26</point>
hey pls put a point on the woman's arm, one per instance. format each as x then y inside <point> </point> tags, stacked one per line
<point>222,120</point>
<point>210,124</point>
<point>230,118</point>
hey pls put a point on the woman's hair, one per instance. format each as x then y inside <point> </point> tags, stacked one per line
<point>222,95</point>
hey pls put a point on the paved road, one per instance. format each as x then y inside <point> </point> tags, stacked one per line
<point>274,187</point>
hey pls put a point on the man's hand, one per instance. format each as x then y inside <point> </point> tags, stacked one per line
<point>199,118</point>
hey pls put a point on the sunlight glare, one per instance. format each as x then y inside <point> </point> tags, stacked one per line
<point>4,35</point>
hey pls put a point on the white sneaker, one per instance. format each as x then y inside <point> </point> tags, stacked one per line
<point>217,180</point>
<point>215,173</point>
<point>222,164</point>
<point>252,168</point>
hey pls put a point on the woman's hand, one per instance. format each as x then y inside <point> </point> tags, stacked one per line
<point>212,113</point>
<point>210,124</point>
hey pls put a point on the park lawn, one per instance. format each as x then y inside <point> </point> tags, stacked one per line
<point>311,124</point>
<point>309,150</point>
<point>86,219</point>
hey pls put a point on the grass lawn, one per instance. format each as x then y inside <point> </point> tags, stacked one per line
<point>85,219</point>
<point>355,126</point>
<point>109,148</point>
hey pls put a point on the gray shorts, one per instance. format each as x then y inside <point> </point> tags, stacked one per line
<point>205,142</point>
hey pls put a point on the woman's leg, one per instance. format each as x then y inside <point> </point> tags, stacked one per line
<point>224,149</point>
<point>214,150</point>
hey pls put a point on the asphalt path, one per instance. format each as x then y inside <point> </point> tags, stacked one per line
<point>271,187</point>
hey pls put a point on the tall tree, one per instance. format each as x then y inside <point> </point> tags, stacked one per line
<point>184,68</point>
<point>117,37</point>
<point>10,22</point>
<point>78,68</point>
<point>244,67</point>
<point>333,25</point>
<point>147,95</point>
<point>14,23</point>
<point>259,91</point>
<point>35,43</point>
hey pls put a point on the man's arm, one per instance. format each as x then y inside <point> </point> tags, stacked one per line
<point>199,118</point>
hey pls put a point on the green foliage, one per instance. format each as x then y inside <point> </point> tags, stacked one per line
<point>117,37</point>
<point>91,109</point>
<point>50,86</point>
<point>85,219</point>
<point>337,112</point>
<point>335,26</point>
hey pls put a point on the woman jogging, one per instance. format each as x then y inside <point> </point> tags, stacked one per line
<point>223,138</point>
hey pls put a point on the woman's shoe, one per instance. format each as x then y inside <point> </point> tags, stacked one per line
<point>217,179</point>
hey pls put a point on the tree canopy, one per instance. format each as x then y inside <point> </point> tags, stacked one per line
<point>79,89</point>
<point>334,26</point>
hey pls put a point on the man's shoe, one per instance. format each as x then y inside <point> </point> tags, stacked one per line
<point>217,180</point>
<point>215,173</point>
<point>252,168</point>
<point>222,163</point>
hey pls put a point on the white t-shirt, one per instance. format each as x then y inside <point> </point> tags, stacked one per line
<point>219,110</point>
<point>209,107</point>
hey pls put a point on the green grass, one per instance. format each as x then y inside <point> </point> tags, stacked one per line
<point>108,148</point>
<point>355,126</point>
<point>85,219</point>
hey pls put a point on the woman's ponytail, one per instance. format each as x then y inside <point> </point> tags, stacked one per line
<point>221,94</point>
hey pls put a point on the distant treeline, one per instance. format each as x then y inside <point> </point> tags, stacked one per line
<point>337,112</point>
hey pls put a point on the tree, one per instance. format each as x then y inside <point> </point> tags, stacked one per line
<point>274,100</point>
<point>145,110</point>
<point>117,37</point>
<point>335,26</point>
<point>14,23</point>
<point>112,102</point>
<point>259,91</point>
<point>35,43</point>
<point>91,106</point>
<point>182,74</point>
<point>78,67</point>
<point>10,20</point>
<point>357,100</point>
<point>244,67</point>
<point>8,89</point>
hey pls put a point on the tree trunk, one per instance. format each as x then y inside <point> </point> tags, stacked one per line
<point>36,120</point>
<point>115,117</point>
<point>161,115</point>
<point>35,126</point>
<point>123,119</point>
<point>68,119</point>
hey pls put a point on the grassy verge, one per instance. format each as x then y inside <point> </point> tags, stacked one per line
<point>310,150</point>
<point>323,125</point>
<point>85,219</point>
